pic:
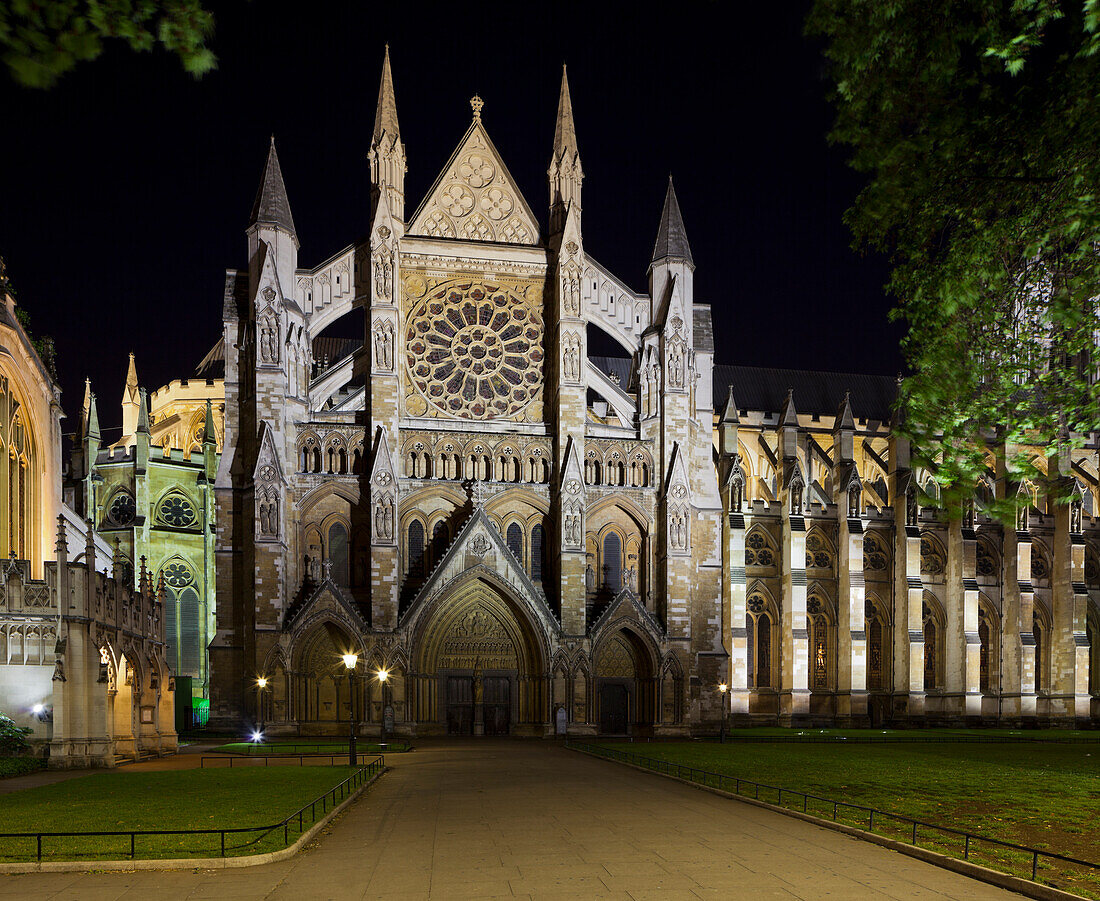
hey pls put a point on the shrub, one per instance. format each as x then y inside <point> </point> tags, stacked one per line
<point>13,738</point>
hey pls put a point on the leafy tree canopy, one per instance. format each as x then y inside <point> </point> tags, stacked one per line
<point>41,40</point>
<point>977,124</point>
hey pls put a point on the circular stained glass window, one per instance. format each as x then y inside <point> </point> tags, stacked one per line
<point>474,350</point>
<point>122,509</point>
<point>177,511</point>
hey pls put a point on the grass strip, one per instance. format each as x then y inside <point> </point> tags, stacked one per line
<point>177,799</point>
<point>1035,794</point>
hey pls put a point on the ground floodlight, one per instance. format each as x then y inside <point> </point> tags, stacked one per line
<point>257,736</point>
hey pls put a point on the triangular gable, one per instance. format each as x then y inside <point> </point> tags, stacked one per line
<point>328,601</point>
<point>627,605</point>
<point>475,198</point>
<point>677,475</point>
<point>269,293</point>
<point>572,473</point>
<point>381,469</point>
<point>480,547</point>
<point>268,466</point>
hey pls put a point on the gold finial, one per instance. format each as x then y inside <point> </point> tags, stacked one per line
<point>476,103</point>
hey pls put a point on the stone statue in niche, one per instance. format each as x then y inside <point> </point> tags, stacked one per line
<point>269,340</point>
<point>1075,513</point>
<point>912,511</point>
<point>383,518</point>
<point>797,489</point>
<point>676,365</point>
<point>383,276</point>
<point>855,498</point>
<point>383,346</point>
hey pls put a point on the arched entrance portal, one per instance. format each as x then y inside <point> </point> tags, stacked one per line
<point>480,667</point>
<point>325,695</point>
<point>626,695</point>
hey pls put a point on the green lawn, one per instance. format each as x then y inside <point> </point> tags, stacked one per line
<point>20,766</point>
<point>1038,794</point>
<point>308,747</point>
<point>217,798</point>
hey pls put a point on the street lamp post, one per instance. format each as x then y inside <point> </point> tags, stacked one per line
<point>724,689</point>
<point>383,676</point>
<point>261,684</point>
<point>349,661</point>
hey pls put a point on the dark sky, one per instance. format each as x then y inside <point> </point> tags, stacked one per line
<point>126,189</point>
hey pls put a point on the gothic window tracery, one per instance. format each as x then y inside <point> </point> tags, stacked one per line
<point>121,510</point>
<point>474,350</point>
<point>933,560</point>
<point>933,630</point>
<point>875,554</point>
<point>876,649</point>
<point>818,553</point>
<point>1040,562</point>
<point>986,560</point>
<point>820,641</point>
<point>759,550</point>
<point>177,511</point>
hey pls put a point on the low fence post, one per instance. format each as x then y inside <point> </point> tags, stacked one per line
<point>131,846</point>
<point>223,843</point>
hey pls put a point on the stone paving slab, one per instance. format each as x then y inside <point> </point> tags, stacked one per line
<point>511,819</point>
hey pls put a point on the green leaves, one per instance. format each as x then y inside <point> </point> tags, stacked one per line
<point>41,40</point>
<point>975,123</point>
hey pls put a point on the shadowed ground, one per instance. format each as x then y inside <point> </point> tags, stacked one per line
<point>508,819</point>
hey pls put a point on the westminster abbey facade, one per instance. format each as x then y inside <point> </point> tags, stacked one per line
<point>529,538</point>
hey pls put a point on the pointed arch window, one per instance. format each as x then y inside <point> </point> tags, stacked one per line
<point>1039,634</point>
<point>338,552</point>
<point>612,562</point>
<point>759,623</point>
<point>537,552</point>
<point>415,567</point>
<point>876,656</point>
<point>514,541</point>
<point>932,650</point>
<point>821,659</point>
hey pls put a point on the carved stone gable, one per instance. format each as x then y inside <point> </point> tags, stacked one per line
<point>476,199</point>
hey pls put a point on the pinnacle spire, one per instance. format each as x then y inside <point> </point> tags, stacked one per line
<point>143,413</point>
<point>91,427</point>
<point>565,133</point>
<point>672,239</point>
<point>729,412</point>
<point>208,434</point>
<point>844,419</point>
<point>271,206</point>
<point>789,416</point>
<point>385,113</point>
<point>130,393</point>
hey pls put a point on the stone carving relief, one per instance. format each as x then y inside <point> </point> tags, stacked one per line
<point>573,522</point>
<point>476,200</point>
<point>383,275</point>
<point>269,335</point>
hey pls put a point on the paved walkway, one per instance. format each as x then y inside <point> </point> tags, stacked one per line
<point>498,819</point>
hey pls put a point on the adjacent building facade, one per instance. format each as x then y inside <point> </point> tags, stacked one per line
<point>531,539</point>
<point>82,660</point>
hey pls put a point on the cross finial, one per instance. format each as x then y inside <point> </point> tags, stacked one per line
<point>476,103</point>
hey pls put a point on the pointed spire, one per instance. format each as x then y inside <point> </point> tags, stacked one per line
<point>91,428</point>
<point>130,393</point>
<point>84,406</point>
<point>729,413</point>
<point>385,113</point>
<point>271,206</point>
<point>143,413</point>
<point>565,133</point>
<point>844,419</point>
<point>789,416</point>
<point>672,239</point>
<point>209,436</point>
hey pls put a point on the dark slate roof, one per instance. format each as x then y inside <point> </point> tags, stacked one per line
<point>764,389</point>
<point>671,237</point>
<point>271,206</point>
<point>334,349</point>
<point>702,330</point>
<point>619,366</point>
<point>212,366</point>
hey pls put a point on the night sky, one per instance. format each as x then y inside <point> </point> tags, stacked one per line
<point>125,190</point>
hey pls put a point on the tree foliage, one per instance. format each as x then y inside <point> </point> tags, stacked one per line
<point>13,738</point>
<point>41,40</point>
<point>976,123</point>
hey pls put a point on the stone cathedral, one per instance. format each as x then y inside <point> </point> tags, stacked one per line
<point>529,538</point>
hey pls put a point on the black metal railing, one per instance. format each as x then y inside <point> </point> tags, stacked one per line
<point>913,737</point>
<point>232,759</point>
<point>862,817</point>
<point>260,749</point>
<point>249,836</point>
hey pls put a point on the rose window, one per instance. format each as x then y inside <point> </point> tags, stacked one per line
<point>475,351</point>
<point>122,509</point>
<point>177,511</point>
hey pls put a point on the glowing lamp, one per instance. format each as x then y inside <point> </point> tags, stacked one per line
<point>261,682</point>
<point>383,675</point>
<point>350,660</point>
<point>257,736</point>
<point>38,709</point>
<point>723,687</point>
